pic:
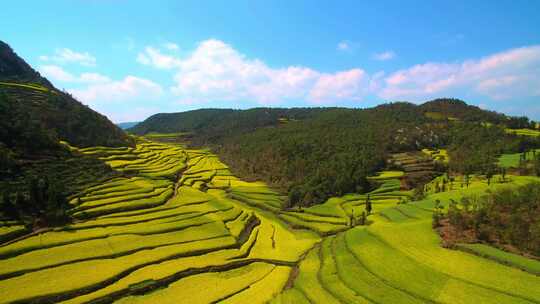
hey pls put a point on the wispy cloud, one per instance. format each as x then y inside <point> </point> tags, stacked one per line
<point>154,57</point>
<point>93,88</point>
<point>127,89</point>
<point>171,46</point>
<point>65,55</point>
<point>57,73</point>
<point>347,46</point>
<point>344,46</point>
<point>511,74</point>
<point>384,56</point>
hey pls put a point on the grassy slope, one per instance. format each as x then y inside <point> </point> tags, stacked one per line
<point>512,160</point>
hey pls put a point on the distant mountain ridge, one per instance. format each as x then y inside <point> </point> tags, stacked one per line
<point>216,123</point>
<point>127,125</point>
<point>213,124</point>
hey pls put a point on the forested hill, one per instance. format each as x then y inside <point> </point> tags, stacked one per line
<point>316,153</point>
<point>215,124</point>
<point>34,113</point>
<point>210,125</point>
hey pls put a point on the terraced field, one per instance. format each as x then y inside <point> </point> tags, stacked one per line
<point>398,259</point>
<point>437,154</point>
<point>524,132</point>
<point>512,160</point>
<point>171,220</point>
<point>419,167</point>
<point>178,227</point>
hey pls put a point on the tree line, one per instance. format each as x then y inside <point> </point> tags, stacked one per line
<point>42,204</point>
<point>502,217</point>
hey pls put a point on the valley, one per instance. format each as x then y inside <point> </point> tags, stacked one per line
<point>178,220</point>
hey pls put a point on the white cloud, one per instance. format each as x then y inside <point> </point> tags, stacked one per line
<point>65,55</point>
<point>129,88</point>
<point>384,56</point>
<point>215,71</point>
<point>57,73</point>
<point>152,56</point>
<point>375,81</point>
<point>99,88</point>
<point>348,85</point>
<point>510,74</point>
<point>344,46</point>
<point>171,46</point>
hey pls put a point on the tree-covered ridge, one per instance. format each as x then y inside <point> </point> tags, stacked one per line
<point>227,122</point>
<point>216,125</point>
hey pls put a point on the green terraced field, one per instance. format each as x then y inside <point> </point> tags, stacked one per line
<point>512,160</point>
<point>32,86</point>
<point>503,257</point>
<point>178,227</point>
<point>524,132</point>
<point>437,154</point>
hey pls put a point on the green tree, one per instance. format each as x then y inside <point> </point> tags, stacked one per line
<point>437,214</point>
<point>295,196</point>
<point>7,208</point>
<point>368,204</point>
<point>489,176</point>
<point>537,165</point>
<point>363,218</point>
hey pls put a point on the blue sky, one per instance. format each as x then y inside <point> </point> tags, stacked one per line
<point>131,59</point>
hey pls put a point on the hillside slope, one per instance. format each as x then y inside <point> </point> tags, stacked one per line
<point>26,94</point>
<point>34,118</point>
<point>211,125</point>
<point>229,122</point>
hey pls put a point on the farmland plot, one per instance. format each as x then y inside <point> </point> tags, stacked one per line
<point>178,227</point>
